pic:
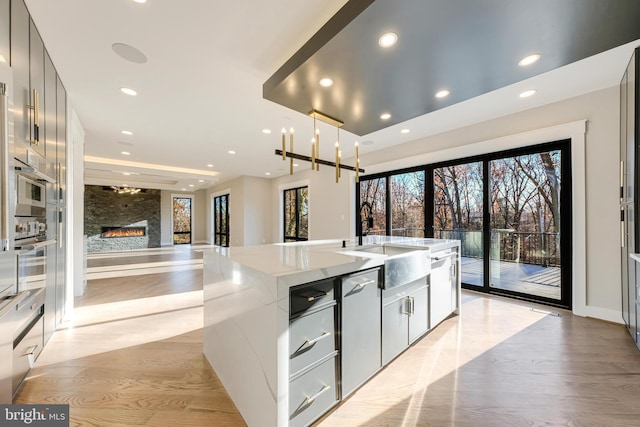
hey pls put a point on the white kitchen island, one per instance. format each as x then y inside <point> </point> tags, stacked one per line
<point>248,317</point>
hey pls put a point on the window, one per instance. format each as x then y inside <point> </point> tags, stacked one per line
<point>296,214</point>
<point>181,220</point>
<point>221,220</point>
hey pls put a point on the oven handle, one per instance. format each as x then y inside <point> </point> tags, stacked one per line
<point>34,246</point>
<point>33,171</point>
<point>4,167</point>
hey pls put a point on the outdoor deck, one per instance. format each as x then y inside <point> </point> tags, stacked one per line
<point>526,278</point>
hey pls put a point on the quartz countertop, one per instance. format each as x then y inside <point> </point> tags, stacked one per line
<point>295,261</point>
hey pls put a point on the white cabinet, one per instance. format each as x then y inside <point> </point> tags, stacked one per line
<point>443,285</point>
<point>404,317</point>
<point>360,332</point>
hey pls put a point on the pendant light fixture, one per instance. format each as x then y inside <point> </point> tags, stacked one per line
<point>315,159</point>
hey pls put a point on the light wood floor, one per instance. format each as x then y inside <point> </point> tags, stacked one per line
<point>132,355</point>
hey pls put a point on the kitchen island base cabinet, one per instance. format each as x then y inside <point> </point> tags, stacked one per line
<point>313,351</point>
<point>405,317</point>
<point>360,331</point>
<point>313,392</point>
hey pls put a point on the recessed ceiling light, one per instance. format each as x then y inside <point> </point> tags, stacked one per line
<point>267,131</point>
<point>140,1</point>
<point>125,185</point>
<point>2,59</point>
<point>388,39</point>
<point>126,153</point>
<point>126,173</point>
<point>527,93</point>
<point>209,165</point>
<point>201,180</point>
<point>127,132</point>
<point>128,91</point>
<point>267,173</point>
<point>191,185</point>
<point>385,116</point>
<point>326,82</point>
<point>405,131</point>
<point>529,59</point>
<point>442,93</point>
<point>231,152</point>
<point>183,189</point>
<point>295,165</point>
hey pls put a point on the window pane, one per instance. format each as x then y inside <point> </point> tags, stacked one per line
<point>303,213</point>
<point>373,195</point>
<point>407,204</point>
<point>458,214</point>
<point>525,224</point>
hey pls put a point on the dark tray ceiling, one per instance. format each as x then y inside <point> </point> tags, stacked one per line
<point>470,47</point>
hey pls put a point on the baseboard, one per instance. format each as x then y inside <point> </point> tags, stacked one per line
<point>609,315</point>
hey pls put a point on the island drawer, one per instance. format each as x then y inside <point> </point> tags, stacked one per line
<point>313,393</point>
<point>311,337</point>
<point>311,295</point>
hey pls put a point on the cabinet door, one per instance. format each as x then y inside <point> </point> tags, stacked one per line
<point>20,67</point>
<point>61,289</point>
<point>49,128</point>
<point>360,334</point>
<point>440,299</point>
<point>5,34</point>
<point>419,313</point>
<point>36,70</point>
<point>61,153</point>
<point>395,329</point>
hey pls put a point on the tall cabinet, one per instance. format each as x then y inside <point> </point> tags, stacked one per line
<point>39,139</point>
<point>629,180</point>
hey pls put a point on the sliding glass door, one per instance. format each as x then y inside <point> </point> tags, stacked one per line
<point>525,213</point>
<point>511,211</point>
<point>458,214</point>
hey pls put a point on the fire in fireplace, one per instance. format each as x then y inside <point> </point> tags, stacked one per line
<point>111,232</point>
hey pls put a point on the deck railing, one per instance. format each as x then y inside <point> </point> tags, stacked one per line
<point>506,245</point>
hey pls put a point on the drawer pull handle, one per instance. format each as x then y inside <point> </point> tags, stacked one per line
<point>30,350</point>
<point>309,343</point>
<point>315,297</point>
<point>363,284</point>
<point>309,400</point>
<point>30,353</point>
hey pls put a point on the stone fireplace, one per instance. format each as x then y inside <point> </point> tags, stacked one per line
<point>120,222</point>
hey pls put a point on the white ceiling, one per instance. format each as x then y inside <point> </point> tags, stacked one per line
<point>200,93</point>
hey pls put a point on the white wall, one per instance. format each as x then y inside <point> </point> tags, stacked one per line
<point>331,205</point>
<point>75,256</point>
<point>250,210</point>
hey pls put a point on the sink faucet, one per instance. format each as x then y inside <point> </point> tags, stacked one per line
<point>366,221</point>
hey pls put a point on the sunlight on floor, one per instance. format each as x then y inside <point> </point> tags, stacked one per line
<point>439,354</point>
<point>124,324</point>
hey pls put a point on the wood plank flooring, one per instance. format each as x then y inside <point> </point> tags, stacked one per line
<point>132,355</point>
